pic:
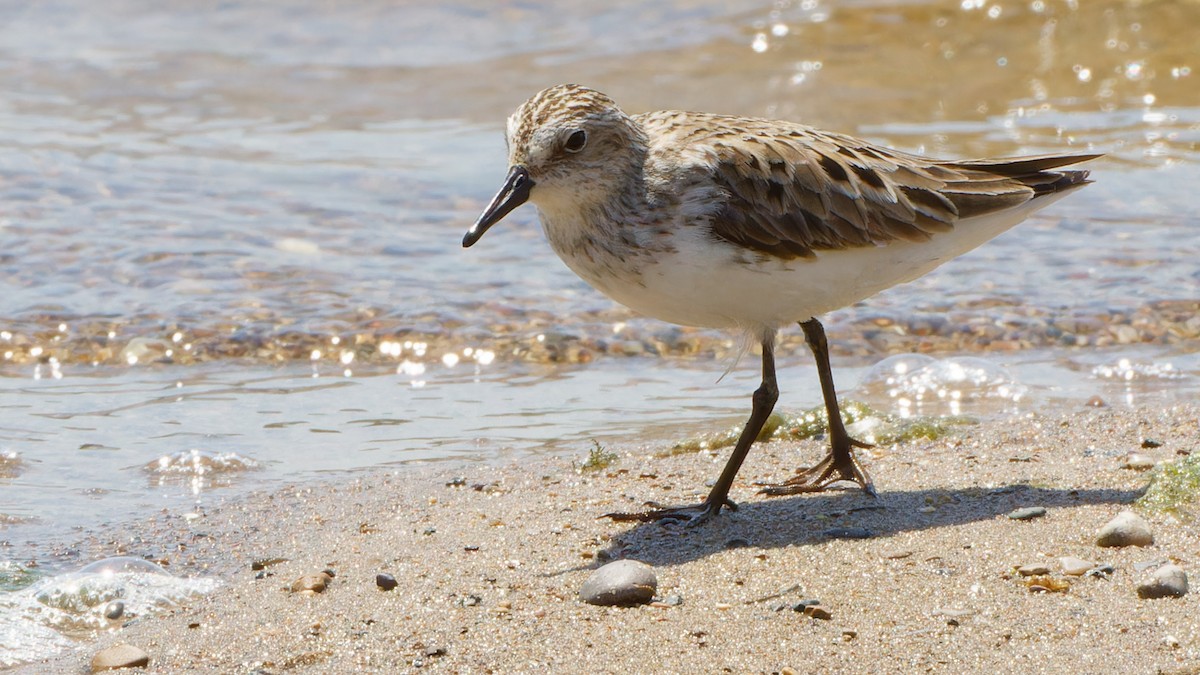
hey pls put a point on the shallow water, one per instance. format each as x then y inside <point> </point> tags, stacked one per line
<point>202,207</point>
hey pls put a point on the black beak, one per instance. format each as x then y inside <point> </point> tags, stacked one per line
<point>514,193</point>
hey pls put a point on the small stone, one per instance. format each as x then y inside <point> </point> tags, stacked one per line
<point>1075,567</point>
<point>311,584</point>
<point>1126,529</point>
<point>470,601</point>
<point>1096,402</point>
<point>897,554</point>
<point>386,581</point>
<point>1151,443</point>
<point>1027,513</point>
<point>1136,461</point>
<point>849,634</point>
<point>114,610</point>
<point>1168,581</point>
<point>1033,570</point>
<point>1149,564</point>
<point>119,656</point>
<point>673,600</point>
<point>818,612</point>
<point>848,533</point>
<point>622,582</point>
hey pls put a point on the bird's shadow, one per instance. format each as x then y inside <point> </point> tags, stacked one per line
<point>768,523</point>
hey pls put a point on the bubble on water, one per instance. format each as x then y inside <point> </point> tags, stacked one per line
<point>35,622</point>
<point>760,43</point>
<point>1127,370</point>
<point>920,384</point>
<point>197,462</point>
<point>11,464</point>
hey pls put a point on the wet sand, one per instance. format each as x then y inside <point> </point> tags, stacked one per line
<point>490,559</point>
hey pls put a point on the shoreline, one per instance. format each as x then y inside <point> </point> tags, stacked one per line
<point>490,559</point>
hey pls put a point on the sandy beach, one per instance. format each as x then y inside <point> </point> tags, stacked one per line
<point>490,559</point>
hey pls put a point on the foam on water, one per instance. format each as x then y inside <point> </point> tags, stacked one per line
<point>54,613</point>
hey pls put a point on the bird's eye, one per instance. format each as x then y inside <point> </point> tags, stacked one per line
<point>576,141</point>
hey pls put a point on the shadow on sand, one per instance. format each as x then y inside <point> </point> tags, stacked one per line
<point>768,523</point>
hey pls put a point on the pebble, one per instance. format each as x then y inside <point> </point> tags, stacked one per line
<point>114,610</point>
<point>1033,570</point>
<point>386,581</point>
<point>1028,513</point>
<point>1075,567</point>
<point>1136,461</point>
<point>817,612</point>
<point>119,656</point>
<point>1168,581</point>
<point>623,582</point>
<point>1126,529</point>
<point>848,533</point>
<point>311,584</point>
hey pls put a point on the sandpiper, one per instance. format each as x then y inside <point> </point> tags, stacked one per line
<point>751,224</point>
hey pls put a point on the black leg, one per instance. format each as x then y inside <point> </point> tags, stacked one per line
<point>763,403</point>
<point>840,463</point>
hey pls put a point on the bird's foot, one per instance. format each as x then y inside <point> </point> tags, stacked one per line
<point>839,464</point>
<point>690,516</point>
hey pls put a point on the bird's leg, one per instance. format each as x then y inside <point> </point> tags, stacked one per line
<point>840,463</point>
<point>763,403</point>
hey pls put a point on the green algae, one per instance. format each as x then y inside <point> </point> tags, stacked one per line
<point>1174,489</point>
<point>598,458</point>
<point>863,422</point>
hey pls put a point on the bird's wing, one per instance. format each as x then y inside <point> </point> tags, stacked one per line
<point>791,190</point>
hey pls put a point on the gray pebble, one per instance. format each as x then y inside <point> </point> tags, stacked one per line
<point>386,581</point>
<point>1033,570</point>
<point>1126,529</point>
<point>623,582</point>
<point>119,656</point>
<point>848,533</point>
<point>1028,513</point>
<point>114,610</point>
<point>1168,581</point>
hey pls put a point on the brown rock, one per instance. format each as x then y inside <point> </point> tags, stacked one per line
<point>817,612</point>
<point>311,584</point>
<point>119,656</point>
<point>1075,567</point>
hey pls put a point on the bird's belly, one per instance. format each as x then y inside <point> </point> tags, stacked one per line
<point>710,283</point>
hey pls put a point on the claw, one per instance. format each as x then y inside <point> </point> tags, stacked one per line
<point>691,516</point>
<point>833,468</point>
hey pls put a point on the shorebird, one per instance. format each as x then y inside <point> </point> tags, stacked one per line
<point>751,224</point>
